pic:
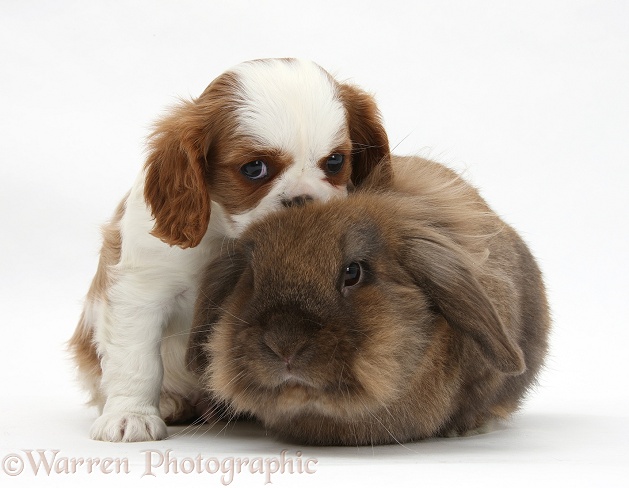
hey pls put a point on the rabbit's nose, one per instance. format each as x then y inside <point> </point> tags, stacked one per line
<point>298,201</point>
<point>286,350</point>
<point>287,353</point>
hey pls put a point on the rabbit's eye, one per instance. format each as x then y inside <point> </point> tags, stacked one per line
<point>352,274</point>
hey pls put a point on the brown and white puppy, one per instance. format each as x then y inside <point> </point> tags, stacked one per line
<point>264,135</point>
<point>389,316</point>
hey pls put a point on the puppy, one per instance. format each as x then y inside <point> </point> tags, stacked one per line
<point>264,135</point>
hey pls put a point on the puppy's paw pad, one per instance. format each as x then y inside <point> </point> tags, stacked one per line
<point>128,427</point>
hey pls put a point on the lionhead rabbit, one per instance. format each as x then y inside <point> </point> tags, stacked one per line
<point>398,314</point>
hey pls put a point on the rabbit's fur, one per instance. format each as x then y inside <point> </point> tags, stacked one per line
<point>445,330</point>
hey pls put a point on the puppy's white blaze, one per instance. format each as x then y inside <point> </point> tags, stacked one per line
<point>291,105</point>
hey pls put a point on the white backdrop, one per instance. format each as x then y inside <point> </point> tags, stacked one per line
<point>529,99</point>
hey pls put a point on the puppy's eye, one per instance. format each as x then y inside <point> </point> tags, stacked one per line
<point>352,274</point>
<point>254,170</point>
<point>334,163</point>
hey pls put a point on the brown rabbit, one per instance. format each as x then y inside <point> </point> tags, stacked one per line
<point>400,313</point>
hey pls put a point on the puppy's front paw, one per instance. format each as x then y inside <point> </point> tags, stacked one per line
<point>128,427</point>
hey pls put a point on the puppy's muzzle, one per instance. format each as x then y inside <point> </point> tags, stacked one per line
<point>298,201</point>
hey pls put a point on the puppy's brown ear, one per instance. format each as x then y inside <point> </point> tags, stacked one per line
<point>175,186</point>
<point>370,144</point>
<point>444,271</point>
<point>218,283</point>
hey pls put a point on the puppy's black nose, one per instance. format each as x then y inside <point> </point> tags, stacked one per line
<point>298,201</point>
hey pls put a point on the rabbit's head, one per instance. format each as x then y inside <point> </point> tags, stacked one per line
<point>331,314</point>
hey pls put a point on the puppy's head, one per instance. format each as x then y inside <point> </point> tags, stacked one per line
<point>266,134</point>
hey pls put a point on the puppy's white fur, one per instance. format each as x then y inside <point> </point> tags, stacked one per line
<point>131,340</point>
<point>302,117</point>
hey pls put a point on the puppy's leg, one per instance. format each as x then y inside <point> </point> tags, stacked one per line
<point>180,387</point>
<point>128,339</point>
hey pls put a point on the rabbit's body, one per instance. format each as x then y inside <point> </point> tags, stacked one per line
<point>409,310</point>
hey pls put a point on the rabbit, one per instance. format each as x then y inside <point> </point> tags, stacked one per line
<point>407,311</point>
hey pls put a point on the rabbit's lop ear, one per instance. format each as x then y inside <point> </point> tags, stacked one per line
<point>217,285</point>
<point>446,273</point>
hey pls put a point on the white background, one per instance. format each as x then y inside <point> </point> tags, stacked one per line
<point>529,99</point>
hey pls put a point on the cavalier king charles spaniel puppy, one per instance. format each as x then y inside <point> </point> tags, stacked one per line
<point>263,135</point>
